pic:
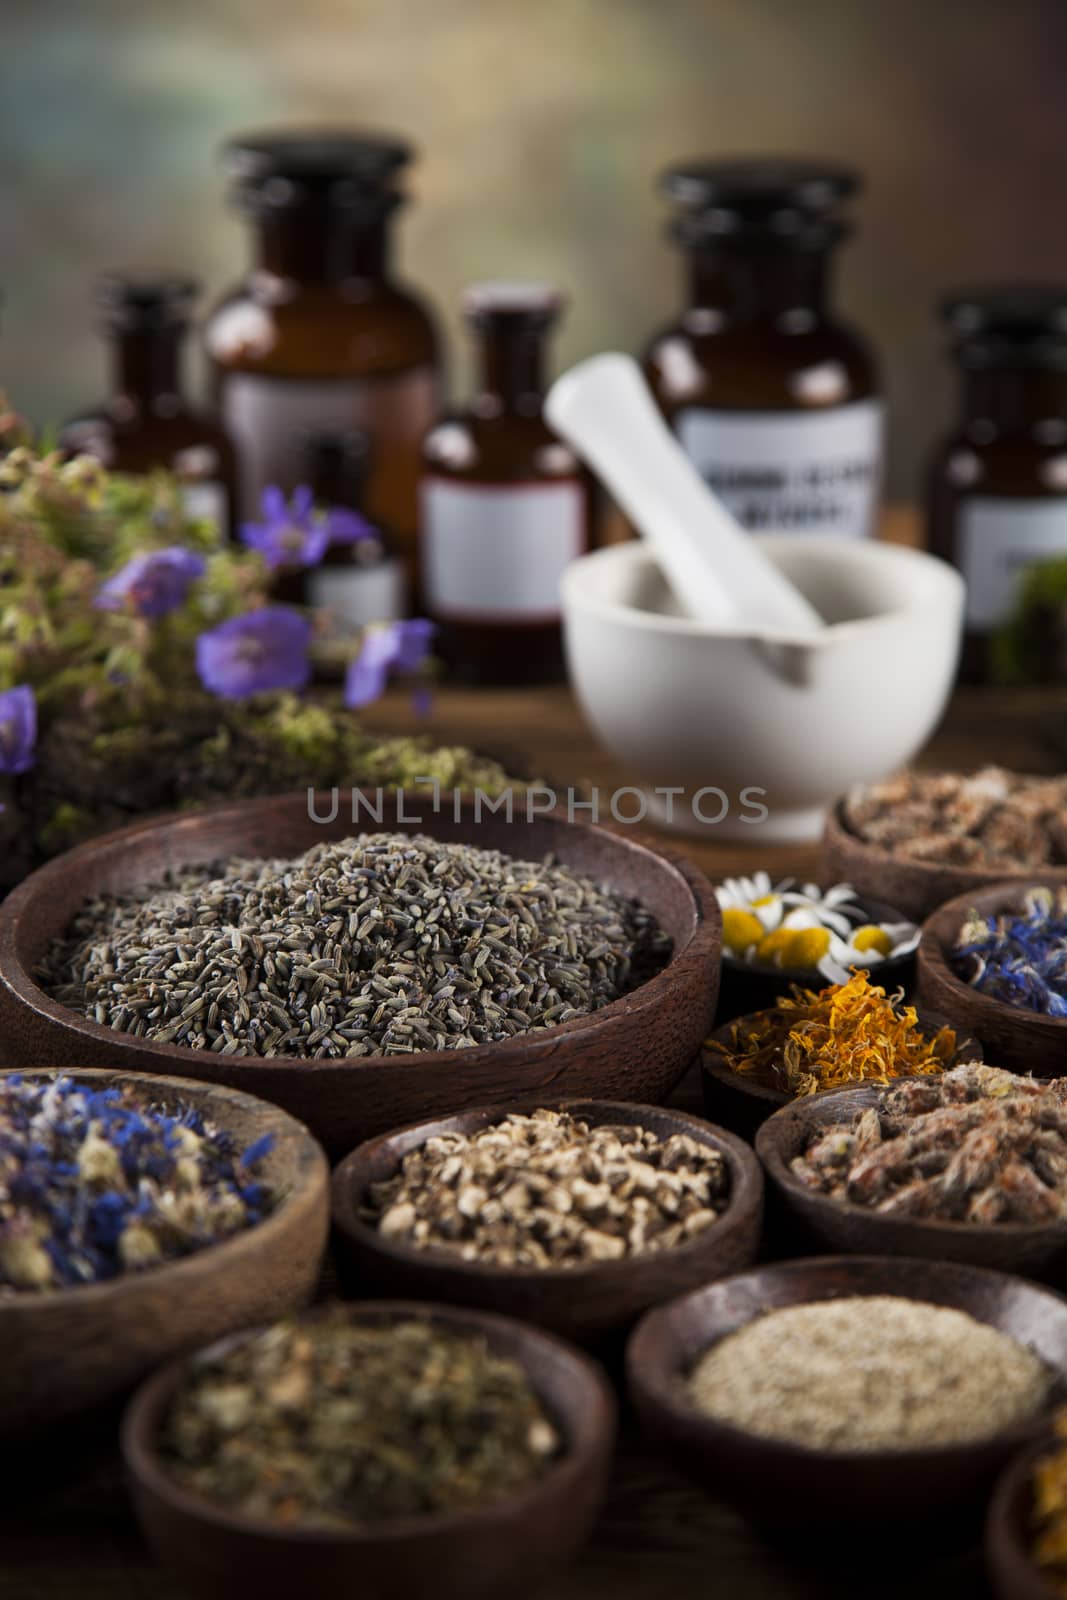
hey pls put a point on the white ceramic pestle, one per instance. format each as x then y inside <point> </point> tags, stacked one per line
<point>603,408</point>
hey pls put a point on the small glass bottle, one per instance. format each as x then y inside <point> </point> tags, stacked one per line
<point>774,399</point>
<point>505,505</point>
<point>358,580</point>
<point>146,423</point>
<point>319,335</point>
<point>998,480</point>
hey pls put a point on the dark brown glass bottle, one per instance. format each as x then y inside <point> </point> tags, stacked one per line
<point>998,480</point>
<point>774,399</point>
<point>505,505</point>
<point>358,580</point>
<point>146,423</point>
<point>319,335</point>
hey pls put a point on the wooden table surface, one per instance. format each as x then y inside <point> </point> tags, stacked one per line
<point>65,1529</point>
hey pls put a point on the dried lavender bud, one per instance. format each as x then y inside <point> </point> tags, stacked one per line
<point>95,1183</point>
<point>329,1421</point>
<point>382,944</point>
<point>549,1190</point>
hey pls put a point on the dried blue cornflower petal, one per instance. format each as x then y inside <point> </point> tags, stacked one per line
<point>94,1183</point>
<point>1019,958</point>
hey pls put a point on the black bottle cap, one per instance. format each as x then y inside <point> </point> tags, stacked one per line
<point>790,200</point>
<point>135,300</point>
<point>1008,324</point>
<point>344,166</point>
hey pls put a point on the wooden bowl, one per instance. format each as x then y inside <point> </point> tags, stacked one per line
<point>584,1303</point>
<point>777,1482</point>
<point>636,1047</point>
<point>1013,1574</point>
<point>917,887</point>
<point>504,1548</point>
<point>811,1221</point>
<point>67,1350</point>
<point>1022,1041</point>
<point>744,987</point>
<point>740,1103</point>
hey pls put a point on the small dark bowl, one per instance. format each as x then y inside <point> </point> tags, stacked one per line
<point>507,1547</point>
<point>637,1046</point>
<point>584,1303</point>
<point>1012,1571</point>
<point>793,1486</point>
<point>917,887</point>
<point>744,987</point>
<point>67,1350</point>
<point>739,1102</point>
<point>1023,1041</point>
<point>811,1221</point>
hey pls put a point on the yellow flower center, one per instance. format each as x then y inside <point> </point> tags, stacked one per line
<point>800,948</point>
<point>740,930</point>
<point>871,937</point>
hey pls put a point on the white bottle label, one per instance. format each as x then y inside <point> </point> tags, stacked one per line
<point>354,596</point>
<point>206,502</point>
<point>791,471</point>
<point>496,553</point>
<point>999,539</point>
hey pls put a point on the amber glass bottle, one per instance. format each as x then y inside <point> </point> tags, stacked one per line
<point>774,399</point>
<point>358,580</point>
<point>319,335</point>
<point>998,480</point>
<point>146,423</point>
<point>504,503</point>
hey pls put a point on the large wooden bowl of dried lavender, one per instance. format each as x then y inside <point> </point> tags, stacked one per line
<point>872,1169</point>
<point>492,1532</point>
<point>66,1349</point>
<point>571,1250</point>
<point>1029,962</point>
<point>647,1027</point>
<point>922,838</point>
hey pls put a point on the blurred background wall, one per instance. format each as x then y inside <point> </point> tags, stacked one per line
<point>542,125</point>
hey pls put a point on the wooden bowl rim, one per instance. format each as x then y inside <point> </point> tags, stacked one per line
<point>716,1042</point>
<point>659,1382</point>
<point>702,945</point>
<point>938,935</point>
<point>590,1427</point>
<point>228,1254</point>
<point>1012,1482</point>
<point>928,871</point>
<point>746,1195</point>
<point>807,979</point>
<point>768,1144</point>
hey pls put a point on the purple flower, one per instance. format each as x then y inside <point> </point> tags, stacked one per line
<point>18,729</point>
<point>399,646</point>
<point>154,583</point>
<point>290,534</point>
<point>262,650</point>
<point>348,527</point>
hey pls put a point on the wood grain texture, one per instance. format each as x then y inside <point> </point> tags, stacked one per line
<point>1021,1040</point>
<point>917,887</point>
<point>582,1303</point>
<point>1007,1533</point>
<point>507,1547</point>
<point>71,1349</point>
<point>808,1221</point>
<point>635,1048</point>
<point>807,1488</point>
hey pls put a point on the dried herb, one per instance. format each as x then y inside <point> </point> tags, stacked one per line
<point>1019,958</point>
<point>988,819</point>
<point>848,1033</point>
<point>549,1190</point>
<point>870,1372</point>
<point>382,944</point>
<point>96,1182</point>
<point>805,928</point>
<point>1049,1522</point>
<point>975,1145</point>
<point>329,1421</point>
